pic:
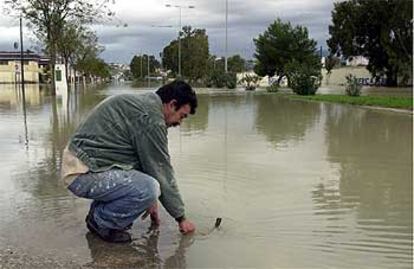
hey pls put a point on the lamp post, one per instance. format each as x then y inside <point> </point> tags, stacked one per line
<point>21,58</point>
<point>179,35</point>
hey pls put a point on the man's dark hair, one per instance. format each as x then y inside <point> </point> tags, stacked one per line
<point>181,92</point>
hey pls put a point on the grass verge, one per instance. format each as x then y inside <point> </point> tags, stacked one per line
<point>379,101</point>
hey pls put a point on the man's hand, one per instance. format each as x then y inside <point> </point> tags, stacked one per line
<point>153,212</point>
<point>186,226</point>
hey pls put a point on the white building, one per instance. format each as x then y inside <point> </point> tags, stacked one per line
<point>357,61</point>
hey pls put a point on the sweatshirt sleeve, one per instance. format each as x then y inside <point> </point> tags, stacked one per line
<point>152,148</point>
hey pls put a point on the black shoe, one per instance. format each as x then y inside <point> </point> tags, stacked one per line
<point>110,235</point>
<point>89,216</point>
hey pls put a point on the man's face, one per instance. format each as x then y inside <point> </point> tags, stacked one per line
<point>173,116</point>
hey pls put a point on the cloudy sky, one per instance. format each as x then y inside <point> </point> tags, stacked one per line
<point>152,25</point>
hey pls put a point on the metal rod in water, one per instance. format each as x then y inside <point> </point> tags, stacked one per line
<point>218,222</point>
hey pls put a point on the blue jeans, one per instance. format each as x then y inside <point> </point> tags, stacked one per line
<point>120,196</point>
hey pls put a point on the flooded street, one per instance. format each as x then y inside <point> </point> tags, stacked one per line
<point>297,184</point>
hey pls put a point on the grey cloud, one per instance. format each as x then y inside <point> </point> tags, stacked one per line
<point>246,20</point>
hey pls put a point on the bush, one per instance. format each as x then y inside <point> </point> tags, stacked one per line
<point>231,80</point>
<point>274,87</point>
<point>250,82</point>
<point>219,79</point>
<point>352,87</point>
<point>304,78</point>
<point>216,79</point>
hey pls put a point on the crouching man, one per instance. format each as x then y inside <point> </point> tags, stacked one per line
<point>118,157</point>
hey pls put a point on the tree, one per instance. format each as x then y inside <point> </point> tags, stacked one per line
<point>94,66</point>
<point>304,78</point>
<point>281,44</point>
<point>170,57</point>
<point>87,52</point>
<point>136,66</point>
<point>194,54</point>
<point>47,19</point>
<point>236,64</point>
<point>139,63</point>
<point>380,30</point>
<point>330,62</point>
<point>69,43</point>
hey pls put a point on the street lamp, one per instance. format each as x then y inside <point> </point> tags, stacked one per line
<point>162,26</point>
<point>179,35</point>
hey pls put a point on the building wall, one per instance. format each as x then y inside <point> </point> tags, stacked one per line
<point>60,79</point>
<point>337,77</point>
<point>7,72</point>
<point>10,72</point>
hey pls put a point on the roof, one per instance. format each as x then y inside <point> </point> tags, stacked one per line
<point>15,55</point>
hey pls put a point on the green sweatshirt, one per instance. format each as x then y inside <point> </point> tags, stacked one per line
<point>128,131</point>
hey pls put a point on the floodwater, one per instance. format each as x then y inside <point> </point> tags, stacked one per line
<point>298,184</point>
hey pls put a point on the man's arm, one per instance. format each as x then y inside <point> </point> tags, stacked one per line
<point>152,148</point>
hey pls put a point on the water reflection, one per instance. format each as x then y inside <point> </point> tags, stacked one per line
<point>199,121</point>
<point>23,101</point>
<point>66,112</point>
<point>281,120</point>
<point>374,153</point>
<point>11,96</point>
<point>141,253</point>
<point>49,122</point>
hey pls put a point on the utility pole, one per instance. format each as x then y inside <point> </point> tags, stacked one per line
<point>225,53</point>
<point>23,89</point>
<point>148,63</point>
<point>140,74</point>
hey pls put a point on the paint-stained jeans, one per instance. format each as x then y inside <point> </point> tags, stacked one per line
<point>120,196</point>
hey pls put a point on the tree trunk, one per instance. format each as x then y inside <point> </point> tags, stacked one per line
<point>52,59</point>
<point>74,78</point>
<point>67,73</point>
<point>52,68</point>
